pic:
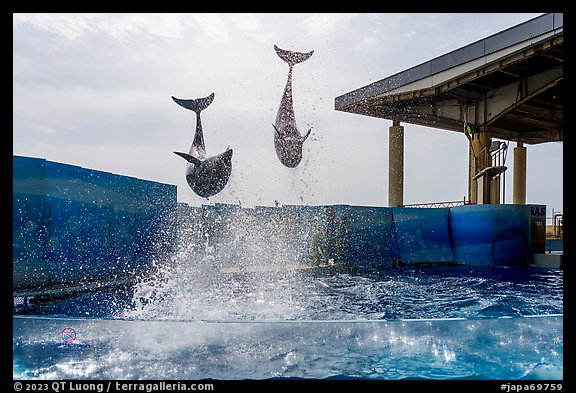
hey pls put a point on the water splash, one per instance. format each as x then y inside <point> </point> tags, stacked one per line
<point>237,264</point>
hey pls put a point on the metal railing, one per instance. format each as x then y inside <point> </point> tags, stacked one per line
<point>492,156</point>
<point>557,225</point>
<point>439,204</point>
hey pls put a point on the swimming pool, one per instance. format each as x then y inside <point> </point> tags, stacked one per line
<point>442,323</point>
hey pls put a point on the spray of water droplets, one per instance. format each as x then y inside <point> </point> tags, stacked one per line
<point>231,263</point>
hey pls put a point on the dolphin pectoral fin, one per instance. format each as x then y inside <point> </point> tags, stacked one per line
<point>277,132</point>
<point>307,135</point>
<point>189,158</point>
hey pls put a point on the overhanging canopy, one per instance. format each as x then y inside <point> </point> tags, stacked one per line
<point>510,84</point>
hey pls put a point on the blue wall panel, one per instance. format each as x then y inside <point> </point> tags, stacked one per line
<point>87,224</point>
<point>365,236</point>
<point>423,235</point>
<point>29,228</point>
<point>491,234</point>
<point>72,224</point>
<point>369,237</point>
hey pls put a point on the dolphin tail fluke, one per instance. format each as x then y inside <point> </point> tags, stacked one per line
<point>197,105</point>
<point>189,158</point>
<point>292,57</point>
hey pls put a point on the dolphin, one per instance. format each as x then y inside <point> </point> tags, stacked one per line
<point>206,176</point>
<point>287,139</point>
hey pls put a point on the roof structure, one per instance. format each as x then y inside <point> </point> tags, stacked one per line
<point>510,84</point>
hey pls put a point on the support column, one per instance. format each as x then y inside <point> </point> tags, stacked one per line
<point>478,160</point>
<point>519,181</point>
<point>495,190</point>
<point>472,184</point>
<point>396,165</point>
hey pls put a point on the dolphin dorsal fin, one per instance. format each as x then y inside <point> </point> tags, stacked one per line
<point>189,158</point>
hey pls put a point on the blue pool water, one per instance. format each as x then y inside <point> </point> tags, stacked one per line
<point>449,322</point>
<point>390,293</point>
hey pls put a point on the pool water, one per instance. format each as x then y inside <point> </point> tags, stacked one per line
<point>326,294</point>
<point>442,322</point>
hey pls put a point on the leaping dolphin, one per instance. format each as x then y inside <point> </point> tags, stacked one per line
<point>206,176</point>
<point>287,138</point>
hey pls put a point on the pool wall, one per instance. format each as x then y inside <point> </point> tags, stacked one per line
<point>494,235</point>
<point>72,224</point>
<point>490,234</point>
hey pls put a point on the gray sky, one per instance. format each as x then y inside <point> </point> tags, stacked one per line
<point>94,90</point>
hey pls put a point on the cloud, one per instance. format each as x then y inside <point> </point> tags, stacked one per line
<point>213,25</point>
<point>247,22</point>
<point>74,26</point>
<point>324,24</point>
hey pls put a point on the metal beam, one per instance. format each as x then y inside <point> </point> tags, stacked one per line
<point>503,99</point>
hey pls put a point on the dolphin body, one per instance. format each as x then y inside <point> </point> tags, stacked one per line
<point>287,139</point>
<point>206,176</point>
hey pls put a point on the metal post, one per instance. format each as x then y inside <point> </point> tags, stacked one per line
<point>519,181</point>
<point>396,165</point>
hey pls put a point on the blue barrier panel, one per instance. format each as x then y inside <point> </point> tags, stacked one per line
<point>85,224</point>
<point>30,218</point>
<point>422,235</point>
<point>302,234</point>
<point>291,234</point>
<point>316,235</point>
<point>364,236</point>
<point>490,234</point>
<point>369,237</point>
<point>77,225</point>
